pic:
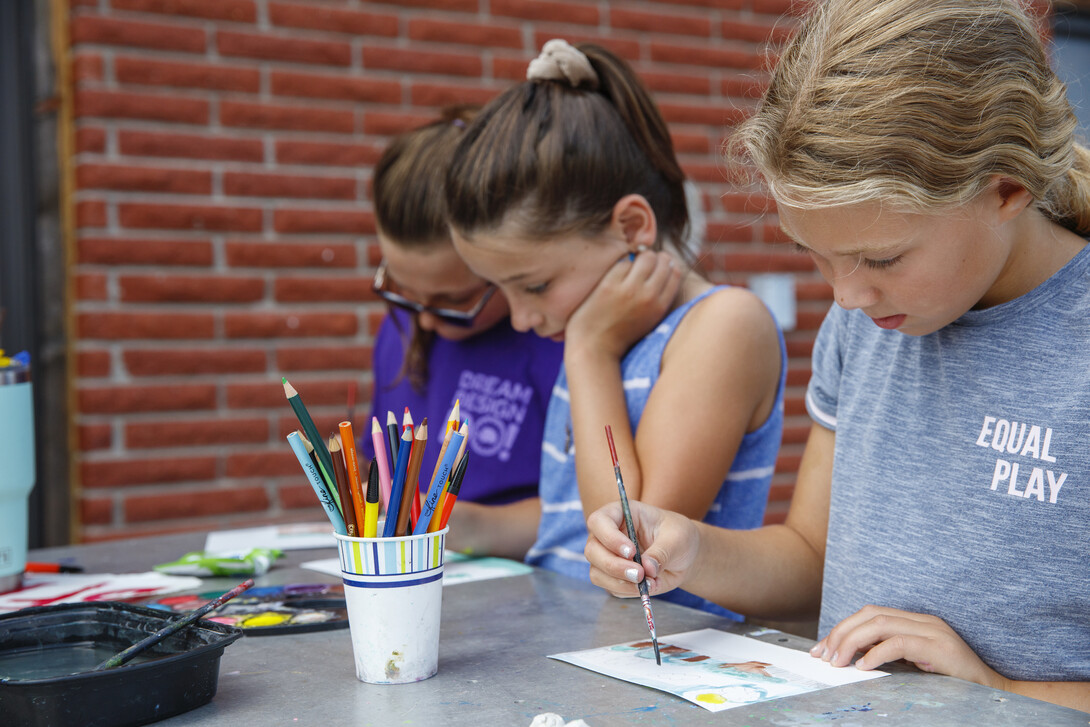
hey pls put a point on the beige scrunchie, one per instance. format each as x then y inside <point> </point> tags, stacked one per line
<point>560,61</point>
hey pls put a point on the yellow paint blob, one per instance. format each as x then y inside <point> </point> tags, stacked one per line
<point>269,618</point>
<point>710,698</point>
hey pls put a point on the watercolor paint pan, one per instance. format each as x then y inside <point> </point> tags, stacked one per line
<point>47,654</point>
<point>272,610</point>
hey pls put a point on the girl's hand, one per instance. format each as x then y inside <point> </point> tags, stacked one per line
<point>669,544</point>
<point>889,634</point>
<point>628,302</point>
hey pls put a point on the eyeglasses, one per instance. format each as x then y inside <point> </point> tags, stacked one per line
<point>453,316</point>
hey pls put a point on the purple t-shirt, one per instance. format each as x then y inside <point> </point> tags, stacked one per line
<point>503,380</point>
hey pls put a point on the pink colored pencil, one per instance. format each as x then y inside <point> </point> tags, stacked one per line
<point>379,440</point>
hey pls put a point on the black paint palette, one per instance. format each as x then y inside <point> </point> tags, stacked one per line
<point>269,610</point>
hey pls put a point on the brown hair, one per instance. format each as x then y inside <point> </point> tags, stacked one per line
<point>919,103</point>
<point>555,158</point>
<point>410,211</point>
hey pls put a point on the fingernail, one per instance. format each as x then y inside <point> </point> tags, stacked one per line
<point>815,650</point>
<point>833,660</point>
<point>825,653</point>
<point>860,665</point>
<point>632,574</point>
<point>653,563</point>
<point>626,551</point>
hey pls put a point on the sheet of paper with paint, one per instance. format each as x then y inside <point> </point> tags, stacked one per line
<point>716,670</point>
<point>457,568</point>
<point>293,536</point>
<point>47,589</point>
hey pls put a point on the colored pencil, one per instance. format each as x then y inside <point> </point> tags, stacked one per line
<point>393,434</point>
<point>414,501</point>
<point>452,420</point>
<point>352,465</point>
<point>451,495</point>
<point>370,516</point>
<point>341,473</point>
<point>407,420</point>
<point>397,484</point>
<point>412,480</point>
<point>644,596</point>
<point>383,464</point>
<point>325,462</point>
<point>438,483</point>
<point>295,439</point>
<point>174,626</point>
<point>439,460</point>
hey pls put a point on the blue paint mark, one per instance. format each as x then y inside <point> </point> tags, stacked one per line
<point>842,712</point>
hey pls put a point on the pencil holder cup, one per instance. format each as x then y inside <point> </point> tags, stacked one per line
<point>17,473</point>
<point>394,591</point>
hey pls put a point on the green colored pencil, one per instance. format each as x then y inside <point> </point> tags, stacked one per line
<point>325,461</point>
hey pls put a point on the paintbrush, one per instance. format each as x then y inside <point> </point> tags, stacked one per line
<point>644,595</point>
<point>173,627</point>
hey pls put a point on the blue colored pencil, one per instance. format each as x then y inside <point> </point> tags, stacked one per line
<point>438,482</point>
<point>397,484</point>
<point>316,481</point>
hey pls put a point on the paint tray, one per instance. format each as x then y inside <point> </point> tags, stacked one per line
<point>46,657</point>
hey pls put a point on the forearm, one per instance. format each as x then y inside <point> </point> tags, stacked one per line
<point>1068,694</point>
<point>505,531</point>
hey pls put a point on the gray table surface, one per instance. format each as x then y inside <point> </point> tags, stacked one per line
<point>493,670</point>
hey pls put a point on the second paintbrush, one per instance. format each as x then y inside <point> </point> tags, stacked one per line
<point>645,597</point>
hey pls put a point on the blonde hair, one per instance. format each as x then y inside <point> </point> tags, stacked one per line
<point>918,104</point>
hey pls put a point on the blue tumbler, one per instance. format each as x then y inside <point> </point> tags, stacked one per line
<point>16,471</point>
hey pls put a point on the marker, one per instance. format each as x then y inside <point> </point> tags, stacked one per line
<point>370,516</point>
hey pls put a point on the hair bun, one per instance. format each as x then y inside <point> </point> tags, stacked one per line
<point>560,61</point>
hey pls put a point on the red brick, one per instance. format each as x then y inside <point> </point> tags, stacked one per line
<point>547,10</point>
<point>417,61</point>
<point>752,203</point>
<point>795,435</point>
<point>94,436</point>
<point>191,146</point>
<point>95,511</point>
<point>115,104</point>
<point>87,67</point>
<point>467,6</point>
<point>374,321</point>
<point>446,94</point>
<point>335,20</point>
<point>749,86</point>
<point>270,394</point>
<point>125,399</point>
<point>512,69</point>
<point>186,75</point>
<point>113,251</point>
<point>813,290</point>
<point>324,221</point>
<point>290,254</point>
<point>714,56</point>
<point>322,289</point>
<point>143,179</point>
<point>191,289</point>
<point>774,30</point>
<point>92,364</point>
<point>189,217</point>
<point>703,170</point>
<point>288,325</point>
<point>90,213</point>
<point>808,320</point>
<point>324,422</point>
<point>709,114</point>
<point>478,35</point>
<point>339,358</point>
<point>780,7</point>
<point>278,463</point>
<point>157,36</point>
<point>195,504</point>
<point>90,139</point>
<point>799,349</point>
<point>190,361</point>
<point>131,326</point>
<point>689,82</point>
<point>298,118</point>
<point>240,11</point>
<point>298,497</point>
<point>766,262</point>
<point>387,124</point>
<point>798,376</point>
<point>91,286</point>
<point>195,432</point>
<point>349,88</point>
<point>290,48</point>
<point>773,233</point>
<point>628,49</point>
<point>690,143</point>
<point>728,232</point>
<point>324,153</point>
<point>244,184</point>
<point>659,23</point>
<point>721,4</point>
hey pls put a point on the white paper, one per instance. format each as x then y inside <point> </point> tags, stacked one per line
<point>293,536</point>
<point>716,670</point>
<point>457,568</point>
<point>47,589</point>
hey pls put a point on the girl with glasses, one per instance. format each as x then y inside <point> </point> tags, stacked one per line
<point>447,337</point>
<point>566,194</point>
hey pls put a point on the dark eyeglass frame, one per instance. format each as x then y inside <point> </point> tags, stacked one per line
<point>460,318</point>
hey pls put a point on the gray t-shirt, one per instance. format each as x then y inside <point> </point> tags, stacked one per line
<point>961,481</point>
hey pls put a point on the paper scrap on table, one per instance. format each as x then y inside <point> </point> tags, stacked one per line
<point>293,536</point>
<point>717,670</point>
<point>457,568</point>
<point>47,589</point>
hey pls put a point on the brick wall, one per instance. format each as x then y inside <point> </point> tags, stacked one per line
<point>223,226</point>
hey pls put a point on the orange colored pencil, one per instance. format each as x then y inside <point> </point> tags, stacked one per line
<point>436,517</point>
<point>412,478</point>
<point>352,464</point>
